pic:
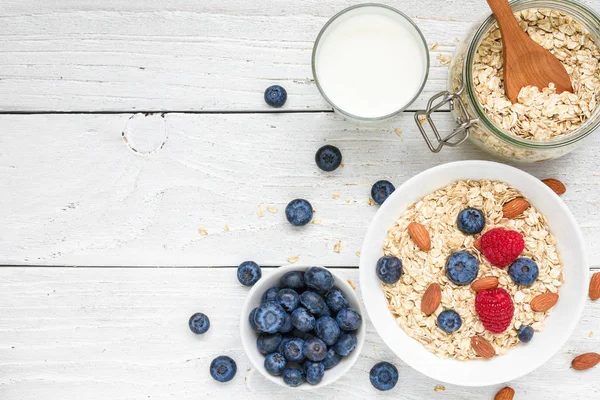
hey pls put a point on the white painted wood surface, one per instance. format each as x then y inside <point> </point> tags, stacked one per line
<point>101,333</point>
<point>181,55</point>
<point>74,193</point>
<point>108,192</point>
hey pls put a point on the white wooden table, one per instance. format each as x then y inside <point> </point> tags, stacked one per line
<point>127,126</point>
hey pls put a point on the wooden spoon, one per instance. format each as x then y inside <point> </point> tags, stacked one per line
<point>526,63</point>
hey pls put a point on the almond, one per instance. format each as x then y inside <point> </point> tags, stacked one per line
<point>506,393</point>
<point>585,361</point>
<point>482,347</point>
<point>557,186</point>
<point>544,302</point>
<point>431,299</point>
<point>477,244</point>
<point>595,286</point>
<point>515,207</point>
<point>489,282</point>
<point>419,235</point>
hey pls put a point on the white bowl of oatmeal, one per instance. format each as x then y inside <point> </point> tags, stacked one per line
<point>433,198</point>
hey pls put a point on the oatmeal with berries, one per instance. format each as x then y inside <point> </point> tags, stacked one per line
<point>471,270</point>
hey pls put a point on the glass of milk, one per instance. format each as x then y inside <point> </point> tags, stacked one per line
<point>370,62</point>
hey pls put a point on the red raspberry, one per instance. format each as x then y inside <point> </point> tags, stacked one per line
<point>495,309</point>
<point>502,247</point>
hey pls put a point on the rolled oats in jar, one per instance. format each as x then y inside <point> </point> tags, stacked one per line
<point>543,124</point>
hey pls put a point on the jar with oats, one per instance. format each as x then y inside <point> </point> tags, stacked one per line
<point>543,124</point>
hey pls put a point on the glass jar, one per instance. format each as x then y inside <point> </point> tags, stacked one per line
<point>474,123</point>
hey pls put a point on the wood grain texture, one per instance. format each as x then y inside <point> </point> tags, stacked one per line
<point>97,333</point>
<point>74,193</point>
<point>181,55</point>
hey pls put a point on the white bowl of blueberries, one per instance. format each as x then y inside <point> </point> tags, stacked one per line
<point>302,326</point>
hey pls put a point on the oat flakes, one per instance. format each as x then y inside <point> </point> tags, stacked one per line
<point>438,212</point>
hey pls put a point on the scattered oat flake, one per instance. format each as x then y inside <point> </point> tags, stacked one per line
<point>358,254</point>
<point>348,201</point>
<point>260,211</point>
<point>293,259</point>
<point>398,131</point>
<point>590,334</point>
<point>434,46</point>
<point>226,229</point>
<point>352,285</point>
<point>439,388</point>
<point>371,202</point>
<point>202,231</point>
<point>342,165</point>
<point>338,247</point>
<point>422,119</point>
<point>272,210</point>
<point>317,221</point>
<point>444,59</point>
<point>336,195</point>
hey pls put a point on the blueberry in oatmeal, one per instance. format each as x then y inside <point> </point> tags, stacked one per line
<point>449,321</point>
<point>524,271</point>
<point>470,221</point>
<point>389,269</point>
<point>462,268</point>
<point>525,333</point>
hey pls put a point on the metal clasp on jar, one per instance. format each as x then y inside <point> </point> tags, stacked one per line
<point>464,122</point>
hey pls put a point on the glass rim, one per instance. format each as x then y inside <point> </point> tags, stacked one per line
<point>576,10</point>
<point>328,24</point>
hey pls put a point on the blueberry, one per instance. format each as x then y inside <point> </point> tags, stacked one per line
<point>199,323</point>
<point>299,212</point>
<point>328,158</point>
<point>524,271</point>
<point>275,96</point>
<point>449,321</point>
<point>275,363</point>
<point>383,376</point>
<point>314,349</point>
<point>252,322</point>
<point>293,377</point>
<point>318,278</point>
<point>268,343</point>
<point>314,372</point>
<point>327,329</point>
<point>325,312</point>
<point>345,344</point>
<point>284,341</point>
<point>248,273</point>
<point>462,268</point>
<point>271,295</point>
<point>389,269</point>
<point>313,302</point>
<point>292,350</point>
<point>223,369</point>
<point>303,320</point>
<point>348,319</point>
<point>336,300</point>
<point>289,299</point>
<point>470,221</point>
<point>269,317</point>
<point>331,359</point>
<point>287,324</point>
<point>293,280</point>
<point>381,190</point>
<point>525,333</point>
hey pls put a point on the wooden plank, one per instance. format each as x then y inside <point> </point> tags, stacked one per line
<point>73,333</point>
<point>209,55</point>
<point>74,193</point>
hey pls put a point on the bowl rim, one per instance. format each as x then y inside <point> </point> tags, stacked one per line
<point>372,299</point>
<point>340,284</point>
